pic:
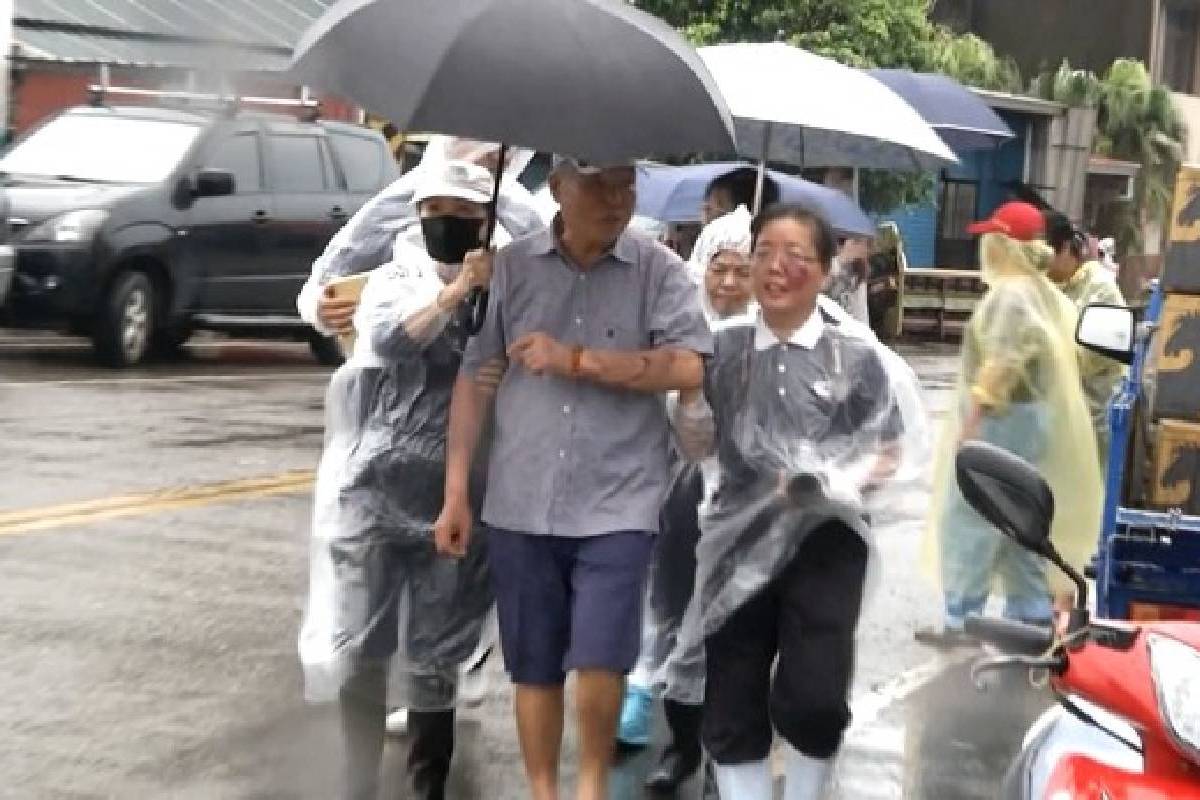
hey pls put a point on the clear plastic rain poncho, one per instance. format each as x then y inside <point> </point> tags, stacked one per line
<point>367,239</point>
<point>1094,283</point>
<point>669,587</point>
<point>1019,362</point>
<point>377,586</point>
<point>728,232</point>
<point>804,437</point>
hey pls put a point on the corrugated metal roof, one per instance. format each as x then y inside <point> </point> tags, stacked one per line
<point>235,34</point>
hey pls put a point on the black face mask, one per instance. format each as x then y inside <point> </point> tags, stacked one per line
<point>449,239</point>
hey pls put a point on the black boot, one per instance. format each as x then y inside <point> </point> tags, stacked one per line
<point>432,734</point>
<point>682,755</point>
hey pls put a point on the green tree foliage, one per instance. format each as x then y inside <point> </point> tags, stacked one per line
<point>861,33</point>
<point>972,62</point>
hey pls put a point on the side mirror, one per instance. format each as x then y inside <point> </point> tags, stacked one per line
<point>1108,330</point>
<point>213,183</point>
<point>1008,492</point>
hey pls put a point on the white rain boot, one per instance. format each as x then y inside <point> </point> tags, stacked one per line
<point>749,781</point>
<point>806,777</point>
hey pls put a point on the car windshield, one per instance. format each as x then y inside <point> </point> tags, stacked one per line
<point>89,147</point>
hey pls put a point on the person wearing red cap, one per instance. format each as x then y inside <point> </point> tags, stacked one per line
<point>1019,388</point>
<point>1016,220</point>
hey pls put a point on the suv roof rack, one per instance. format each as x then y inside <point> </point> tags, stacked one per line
<point>98,94</point>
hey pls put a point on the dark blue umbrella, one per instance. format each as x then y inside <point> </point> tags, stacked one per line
<point>675,194</point>
<point>958,115</point>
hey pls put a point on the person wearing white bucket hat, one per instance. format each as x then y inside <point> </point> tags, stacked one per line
<point>366,240</point>
<point>377,587</point>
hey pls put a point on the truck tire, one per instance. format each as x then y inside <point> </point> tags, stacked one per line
<point>124,327</point>
<point>326,350</point>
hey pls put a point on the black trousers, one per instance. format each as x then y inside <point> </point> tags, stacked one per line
<point>806,617</point>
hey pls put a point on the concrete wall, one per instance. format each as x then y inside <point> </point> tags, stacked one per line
<point>1040,33</point>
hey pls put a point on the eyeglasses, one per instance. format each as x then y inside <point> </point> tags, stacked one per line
<point>789,258</point>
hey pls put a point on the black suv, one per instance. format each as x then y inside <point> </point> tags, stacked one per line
<point>136,226</point>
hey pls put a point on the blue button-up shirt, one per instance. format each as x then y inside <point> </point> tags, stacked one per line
<point>573,458</point>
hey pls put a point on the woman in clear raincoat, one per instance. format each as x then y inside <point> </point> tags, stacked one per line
<point>805,422</point>
<point>1019,388</point>
<point>377,587</point>
<point>1085,282</point>
<point>367,240</point>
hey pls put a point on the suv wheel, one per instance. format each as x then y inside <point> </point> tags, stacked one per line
<point>126,323</point>
<point>326,350</point>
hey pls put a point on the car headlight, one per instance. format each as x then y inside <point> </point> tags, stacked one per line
<point>73,226</point>
<point>1176,668</point>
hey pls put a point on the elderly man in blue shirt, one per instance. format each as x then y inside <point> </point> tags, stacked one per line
<point>596,322</point>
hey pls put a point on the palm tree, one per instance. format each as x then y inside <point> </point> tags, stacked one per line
<point>1137,121</point>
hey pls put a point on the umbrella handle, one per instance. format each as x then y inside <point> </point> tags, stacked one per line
<point>477,300</point>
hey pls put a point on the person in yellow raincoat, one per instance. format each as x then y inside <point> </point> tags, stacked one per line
<point>1086,282</point>
<point>1019,388</point>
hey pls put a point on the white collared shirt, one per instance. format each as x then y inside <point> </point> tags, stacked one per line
<point>806,336</point>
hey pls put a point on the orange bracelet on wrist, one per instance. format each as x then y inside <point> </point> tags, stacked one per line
<point>576,360</point>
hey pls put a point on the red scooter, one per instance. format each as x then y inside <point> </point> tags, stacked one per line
<point>1127,723</point>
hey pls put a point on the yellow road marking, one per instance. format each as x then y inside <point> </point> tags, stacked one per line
<point>133,505</point>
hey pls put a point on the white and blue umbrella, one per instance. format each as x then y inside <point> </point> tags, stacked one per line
<point>676,194</point>
<point>791,105</point>
<point>794,106</point>
<point>959,116</point>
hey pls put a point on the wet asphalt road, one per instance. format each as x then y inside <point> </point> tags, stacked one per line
<point>152,594</point>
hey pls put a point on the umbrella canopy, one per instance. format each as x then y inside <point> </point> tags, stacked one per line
<point>675,194</point>
<point>791,105</point>
<point>958,115</point>
<point>594,79</point>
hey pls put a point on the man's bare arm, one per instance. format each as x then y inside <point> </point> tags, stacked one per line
<point>650,371</point>
<point>468,404</point>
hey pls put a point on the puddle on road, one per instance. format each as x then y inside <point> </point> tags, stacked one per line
<point>947,740</point>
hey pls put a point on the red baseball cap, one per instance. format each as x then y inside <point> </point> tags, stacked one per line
<point>1021,221</point>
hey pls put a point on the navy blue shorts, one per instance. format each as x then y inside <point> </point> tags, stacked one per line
<point>568,603</point>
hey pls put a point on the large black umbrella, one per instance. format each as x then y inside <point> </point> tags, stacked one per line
<point>594,79</point>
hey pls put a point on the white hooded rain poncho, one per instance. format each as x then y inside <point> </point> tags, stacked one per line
<point>377,585</point>
<point>368,238</point>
